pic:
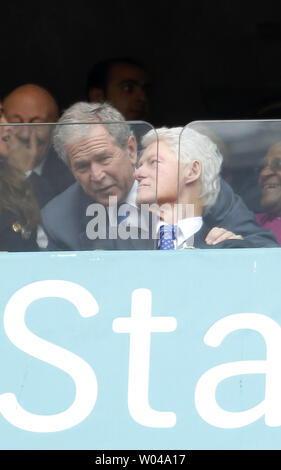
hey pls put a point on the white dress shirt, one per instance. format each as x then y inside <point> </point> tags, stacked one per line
<point>185,229</point>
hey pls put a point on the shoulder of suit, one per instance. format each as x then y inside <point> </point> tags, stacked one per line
<point>63,200</point>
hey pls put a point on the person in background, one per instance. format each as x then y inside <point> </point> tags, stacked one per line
<point>122,82</point>
<point>29,147</point>
<point>270,184</point>
<point>19,211</point>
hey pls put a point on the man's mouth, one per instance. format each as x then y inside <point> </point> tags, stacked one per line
<point>142,187</point>
<point>268,186</point>
<point>103,190</point>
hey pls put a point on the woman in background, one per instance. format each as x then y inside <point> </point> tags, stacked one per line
<point>19,212</point>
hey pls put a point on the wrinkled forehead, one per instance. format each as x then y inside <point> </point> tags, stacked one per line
<point>160,150</point>
<point>123,71</point>
<point>91,138</point>
<point>29,106</point>
<point>150,150</point>
<point>80,133</point>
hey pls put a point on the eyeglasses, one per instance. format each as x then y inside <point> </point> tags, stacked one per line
<point>275,164</point>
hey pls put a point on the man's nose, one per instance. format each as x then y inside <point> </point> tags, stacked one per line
<point>140,94</point>
<point>24,132</point>
<point>265,172</point>
<point>139,174</point>
<point>97,173</point>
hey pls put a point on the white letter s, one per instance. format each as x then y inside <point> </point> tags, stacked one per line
<point>80,371</point>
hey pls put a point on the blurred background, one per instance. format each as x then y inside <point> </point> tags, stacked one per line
<point>206,59</point>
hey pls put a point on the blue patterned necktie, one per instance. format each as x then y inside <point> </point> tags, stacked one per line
<point>120,218</point>
<point>167,237</point>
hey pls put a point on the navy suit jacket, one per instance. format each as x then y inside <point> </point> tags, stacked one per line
<point>64,221</point>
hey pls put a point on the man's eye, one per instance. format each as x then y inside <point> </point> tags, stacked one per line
<point>81,168</point>
<point>128,87</point>
<point>275,164</point>
<point>105,160</point>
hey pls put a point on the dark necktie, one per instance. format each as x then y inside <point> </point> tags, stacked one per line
<point>167,237</point>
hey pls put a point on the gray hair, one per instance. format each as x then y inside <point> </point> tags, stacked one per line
<point>190,145</point>
<point>78,120</point>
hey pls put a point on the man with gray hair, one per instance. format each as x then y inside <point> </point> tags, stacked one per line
<point>183,166</point>
<point>103,157</point>
<point>97,144</point>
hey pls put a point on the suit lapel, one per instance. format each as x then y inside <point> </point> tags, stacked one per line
<point>85,243</point>
<point>139,228</point>
<point>199,237</point>
<point>142,242</point>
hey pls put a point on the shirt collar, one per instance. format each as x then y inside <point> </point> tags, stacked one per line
<point>37,169</point>
<point>184,229</point>
<point>128,204</point>
<point>132,195</point>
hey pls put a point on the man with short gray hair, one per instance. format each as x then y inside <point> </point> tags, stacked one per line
<point>183,166</point>
<point>97,144</point>
<point>103,157</point>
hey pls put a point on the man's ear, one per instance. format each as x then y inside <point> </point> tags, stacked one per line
<point>192,172</point>
<point>96,95</point>
<point>132,149</point>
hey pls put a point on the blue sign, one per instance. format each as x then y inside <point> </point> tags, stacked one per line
<point>141,350</point>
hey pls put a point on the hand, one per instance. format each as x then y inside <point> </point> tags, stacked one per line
<point>219,234</point>
<point>22,154</point>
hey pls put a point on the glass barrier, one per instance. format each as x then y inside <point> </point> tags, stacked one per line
<point>114,185</point>
<point>244,145</point>
<point>229,173</point>
<point>71,186</point>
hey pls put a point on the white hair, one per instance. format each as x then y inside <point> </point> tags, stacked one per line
<point>190,145</point>
<point>78,120</point>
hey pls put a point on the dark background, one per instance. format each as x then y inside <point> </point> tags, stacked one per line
<point>210,59</point>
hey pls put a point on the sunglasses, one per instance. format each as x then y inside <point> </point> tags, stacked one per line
<point>275,164</point>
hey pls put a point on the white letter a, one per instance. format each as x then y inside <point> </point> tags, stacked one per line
<point>205,392</point>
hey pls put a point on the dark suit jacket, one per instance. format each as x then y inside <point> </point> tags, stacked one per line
<point>55,179</point>
<point>231,212</point>
<point>64,221</point>
<point>11,240</point>
<point>199,241</point>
